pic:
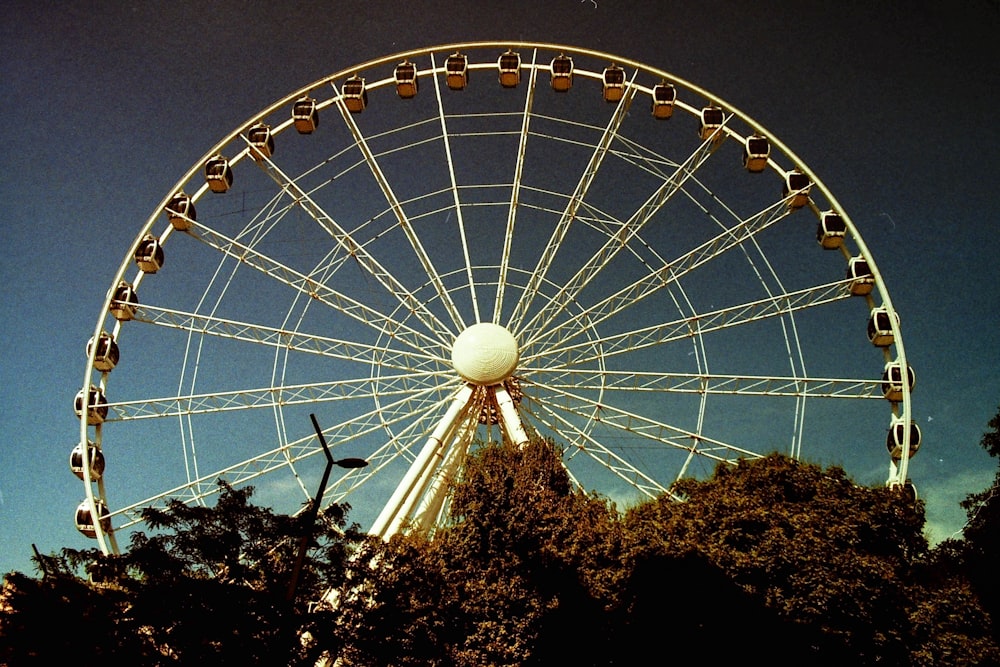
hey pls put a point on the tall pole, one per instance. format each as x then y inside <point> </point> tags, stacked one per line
<point>314,507</point>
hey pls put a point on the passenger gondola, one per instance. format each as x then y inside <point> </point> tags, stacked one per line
<point>562,73</point>
<point>907,490</point>
<point>95,461</point>
<point>305,116</point>
<point>614,83</point>
<point>97,405</point>
<point>85,520</point>
<point>894,440</point>
<point>880,327</point>
<point>509,65</point>
<point>712,120</point>
<point>148,254</point>
<point>218,174</point>
<point>756,152</point>
<point>180,212</point>
<point>860,274</point>
<point>798,185</point>
<point>261,141</point>
<point>106,356</point>
<point>892,381</point>
<point>457,71</point>
<point>831,230</point>
<point>406,80</point>
<point>354,94</point>
<point>664,95</point>
<point>124,302</point>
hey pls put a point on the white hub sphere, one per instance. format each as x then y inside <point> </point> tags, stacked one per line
<point>485,354</point>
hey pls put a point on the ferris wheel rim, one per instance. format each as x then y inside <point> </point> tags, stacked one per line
<point>98,495</point>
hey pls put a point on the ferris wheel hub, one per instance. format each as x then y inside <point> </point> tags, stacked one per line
<point>485,354</point>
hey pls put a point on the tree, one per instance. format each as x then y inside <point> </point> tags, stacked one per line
<point>524,575</point>
<point>808,544</point>
<point>770,559</point>
<point>980,550</point>
<point>209,584</point>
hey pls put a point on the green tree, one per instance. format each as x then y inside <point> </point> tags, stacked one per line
<point>524,575</point>
<point>808,544</point>
<point>980,551</point>
<point>770,559</point>
<point>62,619</point>
<point>207,585</point>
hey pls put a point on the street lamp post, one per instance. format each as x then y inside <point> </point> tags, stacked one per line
<point>314,507</point>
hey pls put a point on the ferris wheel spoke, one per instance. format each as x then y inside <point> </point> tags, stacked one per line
<point>404,222</point>
<point>314,289</point>
<point>515,191</point>
<point>459,216</point>
<point>658,334</point>
<point>289,340</point>
<point>601,150</point>
<point>269,397</point>
<point>356,251</point>
<point>636,425</point>
<point>288,453</point>
<point>399,445</point>
<point>388,414</point>
<point>584,442</point>
<point>704,383</point>
<point>628,231</point>
<point>668,273</point>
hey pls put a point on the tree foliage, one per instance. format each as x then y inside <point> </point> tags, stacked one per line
<point>978,553</point>
<point>769,559</point>
<point>527,564</point>
<point>207,585</point>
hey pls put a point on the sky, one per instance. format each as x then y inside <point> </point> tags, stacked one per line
<point>106,105</point>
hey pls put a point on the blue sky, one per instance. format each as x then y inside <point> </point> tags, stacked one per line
<point>105,107</point>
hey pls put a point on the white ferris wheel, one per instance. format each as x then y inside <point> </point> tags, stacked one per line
<point>486,241</point>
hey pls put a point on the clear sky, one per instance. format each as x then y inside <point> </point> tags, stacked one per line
<point>106,105</point>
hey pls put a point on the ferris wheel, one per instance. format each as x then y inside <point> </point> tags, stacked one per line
<point>486,241</point>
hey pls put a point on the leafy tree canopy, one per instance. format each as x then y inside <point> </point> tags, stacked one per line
<point>208,585</point>
<point>769,559</point>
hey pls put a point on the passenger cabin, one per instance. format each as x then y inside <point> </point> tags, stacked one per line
<point>85,521</point>
<point>305,116</point>
<point>894,440</point>
<point>148,254</point>
<point>354,94</point>
<point>180,212</point>
<point>712,119</point>
<point>95,461</point>
<point>860,274</point>
<point>457,71</point>
<point>97,405</point>
<point>880,327</point>
<point>562,73</point>
<point>218,174</point>
<point>509,65</point>
<point>261,141</point>
<point>124,302</point>
<point>797,185</point>
<point>892,381</point>
<point>831,230</point>
<point>614,83</point>
<point>106,356</point>
<point>664,96</point>
<point>406,80</point>
<point>908,490</point>
<point>756,152</point>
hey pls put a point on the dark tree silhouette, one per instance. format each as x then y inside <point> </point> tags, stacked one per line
<point>206,586</point>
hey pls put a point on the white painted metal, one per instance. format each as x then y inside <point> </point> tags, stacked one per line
<point>661,313</point>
